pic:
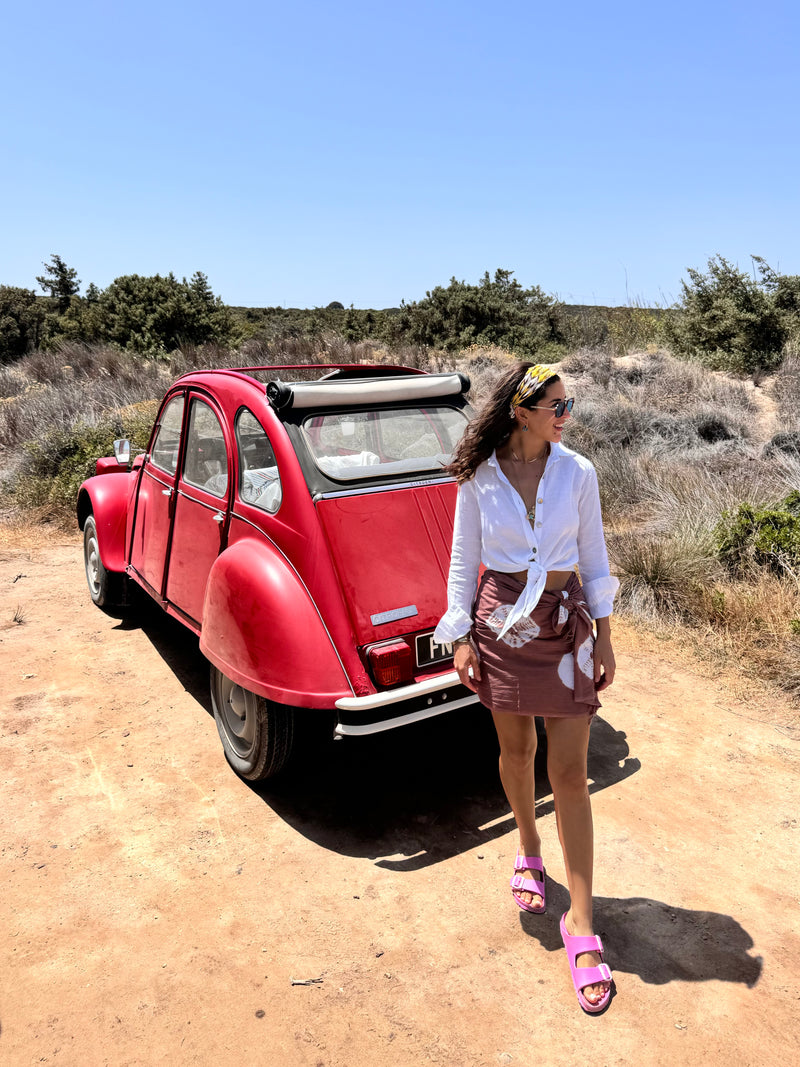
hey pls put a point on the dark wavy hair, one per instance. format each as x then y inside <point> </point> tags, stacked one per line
<point>492,427</point>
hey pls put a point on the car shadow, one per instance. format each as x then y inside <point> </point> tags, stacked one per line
<point>175,644</point>
<point>404,798</point>
<point>412,797</point>
<point>656,941</point>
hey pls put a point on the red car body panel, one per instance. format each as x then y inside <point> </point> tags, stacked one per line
<point>286,656</point>
<point>106,497</point>
<point>391,551</point>
<point>153,514</point>
<point>197,539</point>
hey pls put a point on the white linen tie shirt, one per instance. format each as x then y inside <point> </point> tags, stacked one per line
<point>492,527</point>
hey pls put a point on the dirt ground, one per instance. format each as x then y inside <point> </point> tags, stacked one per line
<point>155,909</point>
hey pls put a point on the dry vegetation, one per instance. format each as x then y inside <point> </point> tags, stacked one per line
<point>677,447</point>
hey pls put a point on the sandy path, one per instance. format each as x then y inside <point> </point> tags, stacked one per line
<point>155,909</point>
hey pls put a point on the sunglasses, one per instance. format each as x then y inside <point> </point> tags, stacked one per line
<point>557,409</point>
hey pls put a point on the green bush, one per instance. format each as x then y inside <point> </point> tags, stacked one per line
<point>732,321</point>
<point>21,318</point>
<point>151,316</point>
<point>156,315</point>
<point>766,537</point>
<point>495,312</point>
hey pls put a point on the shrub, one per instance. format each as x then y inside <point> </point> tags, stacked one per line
<point>54,466</point>
<point>766,537</point>
<point>47,394</point>
<point>496,311</point>
<point>660,575</point>
<point>21,318</point>
<point>731,321</point>
<point>786,386</point>
<point>154,315</point>
<point>786,441</point>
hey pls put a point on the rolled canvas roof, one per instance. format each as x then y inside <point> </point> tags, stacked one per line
<point>321,394</point>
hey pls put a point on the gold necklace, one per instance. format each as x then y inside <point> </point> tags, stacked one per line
<point>535,459</point>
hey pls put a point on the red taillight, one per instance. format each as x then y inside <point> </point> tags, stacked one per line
<point>391,663</point>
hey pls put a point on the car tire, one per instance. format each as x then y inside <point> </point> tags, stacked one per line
<point>256,734</point>
<point>106,588</point>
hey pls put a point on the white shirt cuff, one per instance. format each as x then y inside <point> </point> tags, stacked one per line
<point>454,623</point>
<point>600,596</point>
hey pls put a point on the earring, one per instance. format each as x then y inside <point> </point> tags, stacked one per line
<point>524,427</point>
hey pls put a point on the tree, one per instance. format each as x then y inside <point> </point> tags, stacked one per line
<point>21,317</point>
<point>496,311</point>
<point>732,321</point>
<point>157,314</point>
<point>60,281</point>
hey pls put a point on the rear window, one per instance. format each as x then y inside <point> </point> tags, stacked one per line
<point>368,444</point>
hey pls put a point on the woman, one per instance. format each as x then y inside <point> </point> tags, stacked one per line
<point>528,509</point>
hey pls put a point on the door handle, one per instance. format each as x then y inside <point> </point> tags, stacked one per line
<point>166,492</point>
<point>219,517</point>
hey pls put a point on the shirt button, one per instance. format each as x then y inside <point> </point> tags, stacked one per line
<point>538,524</point>
<point>540,500</point>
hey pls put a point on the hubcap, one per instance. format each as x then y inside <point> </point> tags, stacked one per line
<point>238,713</point>
<point>92,565</point>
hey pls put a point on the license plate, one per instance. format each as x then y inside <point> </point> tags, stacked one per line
<point>429,651</point>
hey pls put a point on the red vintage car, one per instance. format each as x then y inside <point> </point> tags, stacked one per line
<point>299,521</point>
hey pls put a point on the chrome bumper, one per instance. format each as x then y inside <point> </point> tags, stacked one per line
<point>412,703</point>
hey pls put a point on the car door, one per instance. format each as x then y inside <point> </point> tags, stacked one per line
<point>156,496</point>
<point>200,522</point>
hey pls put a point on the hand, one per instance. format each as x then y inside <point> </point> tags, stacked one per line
<point>464,658</point>
<point>605,666</point>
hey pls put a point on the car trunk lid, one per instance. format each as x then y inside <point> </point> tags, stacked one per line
<point>391,551</point>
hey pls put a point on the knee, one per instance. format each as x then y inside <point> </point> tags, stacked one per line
<point>567,778</point>
<point>518,758</point>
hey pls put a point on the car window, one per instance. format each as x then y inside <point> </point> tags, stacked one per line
<point>259,481</point>
<point>206,463</point>
<point>164,453</point>
<point>387,441</point>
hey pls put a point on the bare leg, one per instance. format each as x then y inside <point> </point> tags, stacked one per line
<point>567,746</point>
<point>517,737</point>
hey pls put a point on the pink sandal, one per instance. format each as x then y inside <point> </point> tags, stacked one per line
<point>528,885</point>
<point>583,976</point>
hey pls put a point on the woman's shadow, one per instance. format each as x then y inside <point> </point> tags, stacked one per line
<point>656,941</point>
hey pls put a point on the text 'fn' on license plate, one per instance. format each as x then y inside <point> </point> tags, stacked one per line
<point>430,651</point>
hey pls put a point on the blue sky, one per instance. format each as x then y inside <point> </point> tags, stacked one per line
<point>366,152</point>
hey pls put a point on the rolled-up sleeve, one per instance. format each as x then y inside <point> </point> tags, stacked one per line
<point>465,561</point>
<point>599,585</point>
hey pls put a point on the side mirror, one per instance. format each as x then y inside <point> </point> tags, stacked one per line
<point>122,451</point>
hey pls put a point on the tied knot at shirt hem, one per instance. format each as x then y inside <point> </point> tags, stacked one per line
<point>528,598</point>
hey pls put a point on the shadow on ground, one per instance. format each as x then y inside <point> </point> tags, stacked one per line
<point>405,798</point>
<point>656,941</point>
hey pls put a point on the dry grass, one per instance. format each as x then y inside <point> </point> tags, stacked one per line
<point>36,529</point>
<point>755,624</point>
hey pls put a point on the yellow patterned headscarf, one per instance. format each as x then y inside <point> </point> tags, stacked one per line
<point>534,377</point>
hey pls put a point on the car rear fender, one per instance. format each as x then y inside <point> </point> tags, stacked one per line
<point>262,629</point>
<point>105,496</point>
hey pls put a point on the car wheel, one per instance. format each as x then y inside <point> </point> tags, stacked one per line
<point>106,588</point>
<point>256,734</point>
